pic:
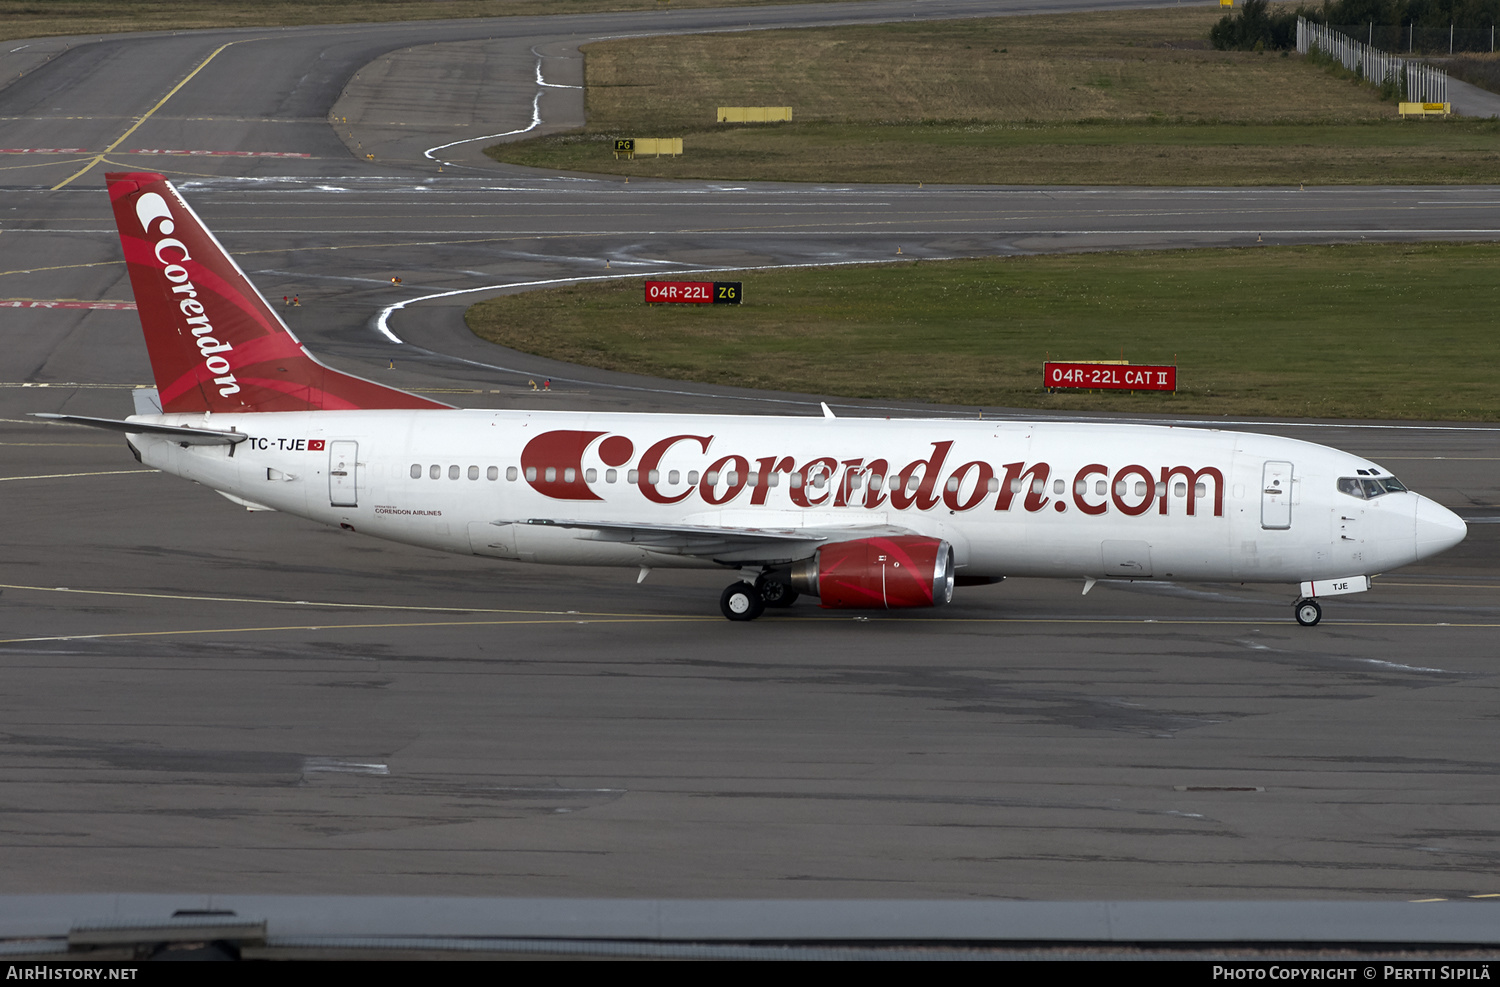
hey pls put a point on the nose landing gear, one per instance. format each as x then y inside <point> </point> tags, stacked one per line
<point>1308,612</point>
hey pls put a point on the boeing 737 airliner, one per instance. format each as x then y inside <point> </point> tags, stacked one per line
<point>859,513</point>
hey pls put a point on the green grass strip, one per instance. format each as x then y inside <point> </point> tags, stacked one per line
<point>1351,331</point>
<point>1103,98</point>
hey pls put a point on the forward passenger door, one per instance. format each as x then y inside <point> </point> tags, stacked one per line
<point>1276,496</point>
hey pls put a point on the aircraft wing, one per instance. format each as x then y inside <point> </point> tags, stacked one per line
<point>766,546</point>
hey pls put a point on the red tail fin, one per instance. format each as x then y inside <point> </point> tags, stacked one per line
<point>215,344</point>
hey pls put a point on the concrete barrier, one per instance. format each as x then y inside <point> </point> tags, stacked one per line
<point>755,114</point>
<point>658,145</point>
<point>1426,109</point>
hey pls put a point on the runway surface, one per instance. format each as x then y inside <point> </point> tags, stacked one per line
<point>199,698</point>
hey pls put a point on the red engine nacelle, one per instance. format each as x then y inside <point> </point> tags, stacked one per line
<point>879,573</point>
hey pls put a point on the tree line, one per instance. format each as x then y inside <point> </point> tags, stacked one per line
<point>1255,24</point>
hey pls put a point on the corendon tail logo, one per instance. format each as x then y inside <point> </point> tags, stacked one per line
<point>172,254</point>
<point>554,465</point>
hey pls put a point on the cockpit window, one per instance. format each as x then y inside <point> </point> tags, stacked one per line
<point>1369,487</point>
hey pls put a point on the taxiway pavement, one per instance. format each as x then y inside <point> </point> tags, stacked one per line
<point>197,698</point>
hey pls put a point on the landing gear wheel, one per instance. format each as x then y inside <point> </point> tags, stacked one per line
<point>1308,612</point>
<point>741,601</point>
<point>776,594</point>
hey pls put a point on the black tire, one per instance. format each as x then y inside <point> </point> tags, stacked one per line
<point>1308,612</point>
<point>777,594</point>
<point>741,601</point>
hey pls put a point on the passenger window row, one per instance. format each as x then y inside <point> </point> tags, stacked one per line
<point>435,472</point>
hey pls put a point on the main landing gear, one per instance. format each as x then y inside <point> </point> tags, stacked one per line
<point>746,601</point>
<point>776,594</point>
<point>1308,612</point>
<point>741,601</point>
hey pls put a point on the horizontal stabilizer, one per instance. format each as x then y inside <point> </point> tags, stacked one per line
<point>147,401</point>
<point>179,433</point>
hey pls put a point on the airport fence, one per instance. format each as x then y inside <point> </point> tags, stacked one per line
<point>1410,39</point>
<point>1413,80</point>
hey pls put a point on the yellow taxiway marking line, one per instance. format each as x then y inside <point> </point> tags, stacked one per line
<point>587,619</point>
<point>344,627</point>
<point>625,616</point>
<point>138,387</point>
<point>352,245</point>
<point>1201,622</point>
<point>64,476</point>
<point>309,603</point>
<point>357,245</point>
<point>264,601</point>
<point>165,171</point>
<point>1381,582</point>
<point>61,267</point>
<point>143,118</point>
<point>40,164</point>
<point>573,617</point>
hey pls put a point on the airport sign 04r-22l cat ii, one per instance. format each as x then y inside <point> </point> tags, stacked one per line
<point>861,513</point>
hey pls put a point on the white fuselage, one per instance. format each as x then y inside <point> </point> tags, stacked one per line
<point>1013,498</point>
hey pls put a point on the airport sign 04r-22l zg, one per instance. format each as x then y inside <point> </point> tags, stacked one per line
<point>694,292</point>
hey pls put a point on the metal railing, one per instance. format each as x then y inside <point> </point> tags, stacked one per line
<point>1417,82</point>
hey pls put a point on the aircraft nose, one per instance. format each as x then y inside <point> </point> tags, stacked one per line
<point>1438,529</point>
